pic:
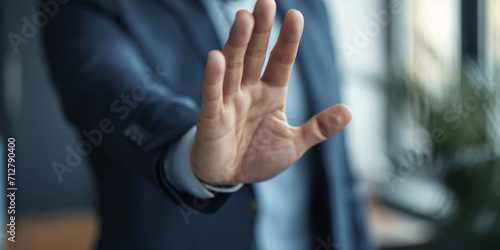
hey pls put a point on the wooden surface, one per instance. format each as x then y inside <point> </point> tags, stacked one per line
<point>56,232</point>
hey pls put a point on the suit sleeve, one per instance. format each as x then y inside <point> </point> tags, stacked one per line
<point>104,81</point>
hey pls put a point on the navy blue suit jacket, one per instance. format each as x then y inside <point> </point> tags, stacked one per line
<point>137,67</point>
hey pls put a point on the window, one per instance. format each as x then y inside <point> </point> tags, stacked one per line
<point>431,35</point>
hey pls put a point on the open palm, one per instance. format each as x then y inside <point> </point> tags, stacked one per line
<point>243,135</point>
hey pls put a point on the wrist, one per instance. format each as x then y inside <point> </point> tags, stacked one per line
<point>218,186</point>
<point>213,178</point>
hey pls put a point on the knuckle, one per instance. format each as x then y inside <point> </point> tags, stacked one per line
<point>256,53</point>
<point>285,58</point>
<point>328,125</point>
<point>234,66</point>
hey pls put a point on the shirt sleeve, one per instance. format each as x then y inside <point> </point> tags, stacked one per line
<point>178,170</point>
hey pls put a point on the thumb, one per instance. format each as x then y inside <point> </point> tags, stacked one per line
<point>324,125</point>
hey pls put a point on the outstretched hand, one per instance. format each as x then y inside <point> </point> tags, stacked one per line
<point>242,134</point>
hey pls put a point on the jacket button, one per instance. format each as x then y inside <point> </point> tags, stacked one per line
<point>252,208</point>
<point>137,134</point>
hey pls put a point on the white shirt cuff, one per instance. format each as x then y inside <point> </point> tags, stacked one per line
<point>178,170</point>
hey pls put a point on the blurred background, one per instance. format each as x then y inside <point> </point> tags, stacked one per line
<point>422,79</point>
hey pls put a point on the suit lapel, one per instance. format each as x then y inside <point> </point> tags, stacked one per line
<point>196,25</point>
<point>316,60</point>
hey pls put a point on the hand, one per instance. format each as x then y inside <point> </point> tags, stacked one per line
<point>243,135</point>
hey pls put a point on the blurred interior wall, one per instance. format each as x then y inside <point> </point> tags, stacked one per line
<point>35,120</point>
